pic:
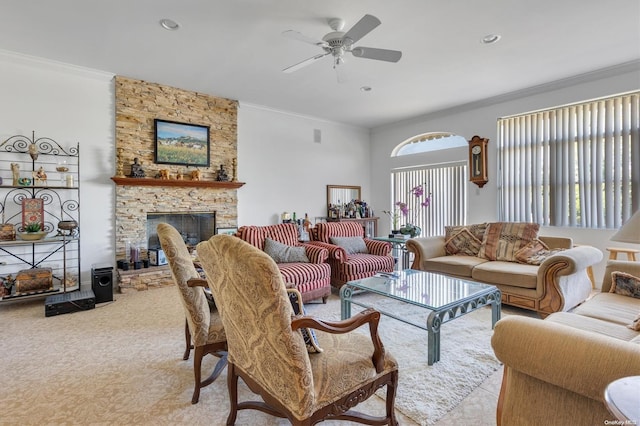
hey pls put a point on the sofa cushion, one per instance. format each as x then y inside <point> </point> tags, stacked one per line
<point>611,307</point>
<point>282,253</point>
<point>635,325</point>
<point>625,284</point>
<point>503,239</point>
<point>507,273</point>
<point>594,325</point>
<point>351,245</point>
<point>463,243</point>
<point>453,265</point>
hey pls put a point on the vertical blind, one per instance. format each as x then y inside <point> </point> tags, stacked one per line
<point>577,165</point>
<point>447,185</point>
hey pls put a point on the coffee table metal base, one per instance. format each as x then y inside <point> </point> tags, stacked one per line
<point>436,317</point>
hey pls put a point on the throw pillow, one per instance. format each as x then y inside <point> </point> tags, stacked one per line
<point>625,284</point>
<point>477,230</point>
<point>310,339</point>
<point>351,245</point>
<point>282,253</point>
<point>535,253</point>
<point>463,243</point>
<point>503,239</point>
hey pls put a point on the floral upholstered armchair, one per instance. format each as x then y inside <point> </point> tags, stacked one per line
<point>303,266</point>
<point>351,255</point>
<point>267,345</point>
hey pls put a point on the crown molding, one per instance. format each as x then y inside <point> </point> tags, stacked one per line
<point>54,66</point>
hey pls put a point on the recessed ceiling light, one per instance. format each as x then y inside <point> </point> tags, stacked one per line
<point>491,38</point>
<point>365,89</point>
<point>169,24</point>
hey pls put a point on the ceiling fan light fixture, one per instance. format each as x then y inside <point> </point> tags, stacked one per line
<point>491,38</point>
<point>169,24</point>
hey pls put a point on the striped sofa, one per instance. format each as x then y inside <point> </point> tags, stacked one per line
<point>348,267</point>
<point>313,279</point>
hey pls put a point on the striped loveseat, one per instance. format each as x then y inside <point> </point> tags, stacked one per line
<point>348,265</point>
<point>312,278</point>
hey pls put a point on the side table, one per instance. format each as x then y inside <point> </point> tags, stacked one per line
<point>631,253</point>
<point>622,398</point>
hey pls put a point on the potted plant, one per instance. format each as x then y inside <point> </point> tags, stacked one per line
<point>32,231</point>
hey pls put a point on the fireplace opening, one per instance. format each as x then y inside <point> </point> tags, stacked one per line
<point>193,226</point>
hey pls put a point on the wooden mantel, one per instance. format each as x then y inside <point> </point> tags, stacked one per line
<point>175,182</point>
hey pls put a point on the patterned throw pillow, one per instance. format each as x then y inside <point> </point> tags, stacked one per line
<point>282,253</point>
<point>535,253</point>
<point>351,245</point>
<point>308,334</point>
<point>502,240</point>
<point>625,284</point>
<point>477,230</point>
<point>463,243</point>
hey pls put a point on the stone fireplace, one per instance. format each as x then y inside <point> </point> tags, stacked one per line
<point>137,104</point>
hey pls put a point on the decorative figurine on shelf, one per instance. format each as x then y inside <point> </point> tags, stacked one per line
<point>136,169</point>
<point>39,176</point>
<point>15,171</point>
<point>180,176</point>
<point>163,174</point>
<point>222,174</point>
<point>33,151</point>
<point>195,175</point>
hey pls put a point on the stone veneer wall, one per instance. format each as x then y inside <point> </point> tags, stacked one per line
<point>137,104</point>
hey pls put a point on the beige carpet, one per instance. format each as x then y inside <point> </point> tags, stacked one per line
<point>121,363</point>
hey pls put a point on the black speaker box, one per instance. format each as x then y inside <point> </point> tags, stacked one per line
<point>102,284</point>
<point>65,303</point>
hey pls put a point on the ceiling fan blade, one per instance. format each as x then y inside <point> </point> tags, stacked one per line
<point>378,54</point>
<point>304,63</point>
<point>361,29</point>
<point>295,35</point>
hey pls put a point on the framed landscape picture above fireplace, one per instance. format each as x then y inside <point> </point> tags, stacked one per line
<point>182,144</point>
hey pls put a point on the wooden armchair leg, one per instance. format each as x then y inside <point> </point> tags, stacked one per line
<point>232,385</point>
<point>187,336</point>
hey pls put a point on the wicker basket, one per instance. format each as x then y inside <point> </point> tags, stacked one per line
<point>7,232</point>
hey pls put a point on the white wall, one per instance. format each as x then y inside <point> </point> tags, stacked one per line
<point>285,170</point>
<point>69,105</point>
<point>480,119</point>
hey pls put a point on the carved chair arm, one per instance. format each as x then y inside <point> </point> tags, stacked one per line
<point>197,282</point>
<point>368,316</point>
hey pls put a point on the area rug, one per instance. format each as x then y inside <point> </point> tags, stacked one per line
<point>121,363</point>
<point>426,393</point>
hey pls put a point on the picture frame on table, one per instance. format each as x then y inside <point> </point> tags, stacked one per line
<point>226,231</point>
<point>183,144</point>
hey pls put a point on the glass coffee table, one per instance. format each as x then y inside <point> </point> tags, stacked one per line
<point>446,298</point>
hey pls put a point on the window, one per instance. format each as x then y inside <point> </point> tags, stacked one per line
<point>576,165</point>
<point>447,186</point>
<point>426,142</point>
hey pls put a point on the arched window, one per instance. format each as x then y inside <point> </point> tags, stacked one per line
<point>440,176</point>
<point>426,142</point>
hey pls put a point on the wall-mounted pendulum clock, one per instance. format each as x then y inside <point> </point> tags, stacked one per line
<point>478,160</point>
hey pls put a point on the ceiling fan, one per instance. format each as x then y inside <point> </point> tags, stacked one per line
<point>336,43</point>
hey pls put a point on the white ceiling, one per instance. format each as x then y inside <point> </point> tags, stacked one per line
<point>234,48</point>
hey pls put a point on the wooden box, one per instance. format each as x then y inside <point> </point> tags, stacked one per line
<point>34,279</point>
<point>7,232</point>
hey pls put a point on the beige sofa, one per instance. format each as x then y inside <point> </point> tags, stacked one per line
<point>558,284</point>
<point>557,369</point>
